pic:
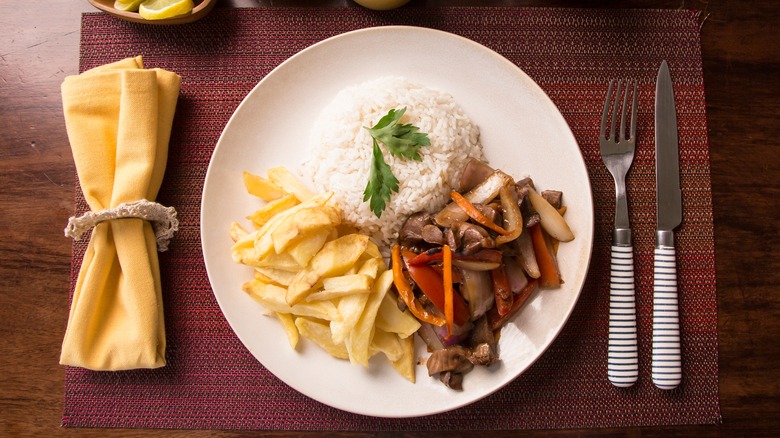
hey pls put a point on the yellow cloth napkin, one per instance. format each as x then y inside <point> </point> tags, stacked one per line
<point>118,117</point>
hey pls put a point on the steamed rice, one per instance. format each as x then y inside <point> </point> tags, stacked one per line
<point>340,152</point>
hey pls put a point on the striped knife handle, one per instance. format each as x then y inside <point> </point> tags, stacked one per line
<point>622,359</point>
<point>667,361</point>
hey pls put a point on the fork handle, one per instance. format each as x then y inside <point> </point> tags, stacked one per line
<point>667,360</point>
<point>622,354</point>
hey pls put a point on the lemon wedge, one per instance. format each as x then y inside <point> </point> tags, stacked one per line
<point>160,9</point>
<point>127,5</point>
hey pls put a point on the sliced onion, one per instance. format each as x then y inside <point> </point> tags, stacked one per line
<point>517,279</point>
<point>475,265</point>
<point>459,333</point>
<point>488,189</point>
<point>551,219</point>
<point>484,255</point>
<point>477,289</point>
<point>428,334</point>
<point>513,218</point>
<point>474,173</point>
<point>527,255</point>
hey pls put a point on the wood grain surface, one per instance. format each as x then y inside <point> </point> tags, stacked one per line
<point>741,51</point>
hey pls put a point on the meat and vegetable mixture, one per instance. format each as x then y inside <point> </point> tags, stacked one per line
<point>466,270</point>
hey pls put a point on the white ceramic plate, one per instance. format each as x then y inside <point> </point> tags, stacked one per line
<point>522,133</point>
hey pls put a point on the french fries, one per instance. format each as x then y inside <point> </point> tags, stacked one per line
<point>261,216</point>
<point>289,183</point>
<point>334,258</point>
<point>358,340</point>
<point>288,323</point>
<point>322,280</point>
<point>261,187</point>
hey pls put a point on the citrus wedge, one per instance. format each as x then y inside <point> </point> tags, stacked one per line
<point>160,9</point>
<point>127,5</point>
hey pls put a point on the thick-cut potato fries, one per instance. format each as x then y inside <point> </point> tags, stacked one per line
<point>321,279</point>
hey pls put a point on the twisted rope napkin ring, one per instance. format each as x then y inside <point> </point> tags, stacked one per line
<point>163,220</point>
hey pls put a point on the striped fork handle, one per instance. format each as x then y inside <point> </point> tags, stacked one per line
<point>622,360</point>
<point>667,361</point>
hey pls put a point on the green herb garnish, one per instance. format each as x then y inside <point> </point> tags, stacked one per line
<point>402,141</point>
<point>381,183</point>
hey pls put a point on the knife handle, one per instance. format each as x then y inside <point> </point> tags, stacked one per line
<point>622,352</point>
<point>667,360</point>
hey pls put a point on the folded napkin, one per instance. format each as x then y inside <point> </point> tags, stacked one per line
<point>118,117</point>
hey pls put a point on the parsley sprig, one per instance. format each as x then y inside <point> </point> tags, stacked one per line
<point>402,141</point>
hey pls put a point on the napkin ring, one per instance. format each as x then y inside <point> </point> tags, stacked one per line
<point>163,220</point>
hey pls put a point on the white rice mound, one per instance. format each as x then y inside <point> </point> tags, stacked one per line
<point>340,152</point>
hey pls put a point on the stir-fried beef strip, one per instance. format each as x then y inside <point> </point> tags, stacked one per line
<point>530,216</point>
<point>554,197</point>
<point>411,232</point>
<point>458,359</point>
<point>454,359</point>
<point>483,343</point>
<point>481,333</point>
<point>419,234</point>
<point>491,211</point>
<point>451,239</point>
<point>484,354</point>
<point>451,363</point>
<point>472,237</point>
<point>432,234</point>
<point>521,189</point>
<point>525,182</point>
<point>452,380</point>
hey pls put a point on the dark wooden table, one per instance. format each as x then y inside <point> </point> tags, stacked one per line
<point>741,50</point>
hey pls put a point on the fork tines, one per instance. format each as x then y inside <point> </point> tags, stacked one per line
<point>622,90</point>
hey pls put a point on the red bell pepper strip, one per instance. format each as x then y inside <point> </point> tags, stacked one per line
<point>447,284</point>
<point>433,255</point>
<point>456,277</point>
<point>550,275</point>
<point>432,285</point>
<point>407,294</point>
<point>501,290</point>
<point>497,321</point>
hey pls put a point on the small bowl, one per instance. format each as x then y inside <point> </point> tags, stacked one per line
<point>381,5</point>
<point>202,7</point>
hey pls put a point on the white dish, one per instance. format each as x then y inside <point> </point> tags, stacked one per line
<point>522,132</point>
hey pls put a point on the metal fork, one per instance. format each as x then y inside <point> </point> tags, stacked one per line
<point>617,152</point>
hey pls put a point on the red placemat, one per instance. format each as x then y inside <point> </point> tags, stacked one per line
<point>212,381</point>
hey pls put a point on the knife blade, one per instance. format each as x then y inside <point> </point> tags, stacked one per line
<point>666,354</point>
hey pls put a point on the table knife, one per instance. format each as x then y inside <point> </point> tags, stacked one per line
<point>666,356</point>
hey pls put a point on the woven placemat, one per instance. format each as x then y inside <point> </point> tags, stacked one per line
<point>212,381</point>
